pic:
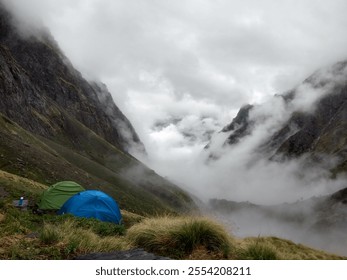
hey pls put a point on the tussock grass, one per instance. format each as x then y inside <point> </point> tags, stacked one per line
<point>56,237</point>
<point>278,248</point>
<point>99,227</point>
<point>85,240</point>
<point>259,251</point>
<point>130,219</point>
<point>179,237</point>
<point>24,235</point>
<point>49,235</point>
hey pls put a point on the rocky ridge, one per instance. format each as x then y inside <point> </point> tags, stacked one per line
<point>317,132</point>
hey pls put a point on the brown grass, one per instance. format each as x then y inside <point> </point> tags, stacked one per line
<point>181,237</point>
<point>287,250</point>
<point>24,181</point>
<point>130,219</point>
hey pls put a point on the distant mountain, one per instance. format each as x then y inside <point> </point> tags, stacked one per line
<point>55,125</point>
<point>319,221</point>
<point>315,130</point>
<point>316,213</point>
<point>308,126</point>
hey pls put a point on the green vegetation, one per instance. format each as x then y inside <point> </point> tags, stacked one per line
<point>49,235</point>
<point>95,164</point>
<point>99,227</point>
<point>25,235</point>
<point>259,251</point>
<point>178,237</point>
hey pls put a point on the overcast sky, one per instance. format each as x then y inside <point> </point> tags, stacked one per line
<point>180,70</point>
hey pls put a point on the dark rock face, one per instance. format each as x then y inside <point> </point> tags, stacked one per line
<point>38,80</point>
<point>322,131</point>
<point>240,126</point>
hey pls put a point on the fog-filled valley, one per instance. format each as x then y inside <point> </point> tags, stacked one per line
<point>236,110</point>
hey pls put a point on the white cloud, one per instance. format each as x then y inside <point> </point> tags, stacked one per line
<point>179,69</point>
<point>192,63</point>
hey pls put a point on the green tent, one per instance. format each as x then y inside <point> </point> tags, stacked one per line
<point>56,195</point>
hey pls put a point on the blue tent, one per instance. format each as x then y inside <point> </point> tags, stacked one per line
<point>92,204</point>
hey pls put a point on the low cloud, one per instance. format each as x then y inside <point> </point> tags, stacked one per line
<point>180,72</point>
<point>240,172</point>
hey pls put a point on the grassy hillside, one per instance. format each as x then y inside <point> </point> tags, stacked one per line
<point>55,125</point>
<point>25,235</point>
<point>96,165</point>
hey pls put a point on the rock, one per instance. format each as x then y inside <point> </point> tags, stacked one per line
<point>33,235</point>
<point>320,131</point>
<point>134,254</point>
<point>240,125</point>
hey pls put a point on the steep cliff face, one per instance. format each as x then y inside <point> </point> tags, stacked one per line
<point>54,125</point>
<point>240,126</point>
<point>37,78</point>
<point>324,129</point>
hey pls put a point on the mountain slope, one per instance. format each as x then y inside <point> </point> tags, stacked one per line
<point>45,82</point>
<point>324,129</point>
<point>313,120</point>
<point>318,221</point>
<point>314,213</point>
<point>54,125</point>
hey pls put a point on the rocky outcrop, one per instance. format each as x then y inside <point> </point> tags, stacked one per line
<point>240,125</point>
<point>317,132</point>
<point>324,129</point>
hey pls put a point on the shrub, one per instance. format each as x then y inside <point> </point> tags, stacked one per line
<point>49,235</point>
<point>78,240</point>
<point>71,247</point>
<point>178,237</point>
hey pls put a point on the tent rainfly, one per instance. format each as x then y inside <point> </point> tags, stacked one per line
<point>56,195</point>
<point>93,204</point>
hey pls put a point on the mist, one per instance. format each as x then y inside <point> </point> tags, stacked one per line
<point>181,71</point>
<point>251,223</point>
<point>242,171</point>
